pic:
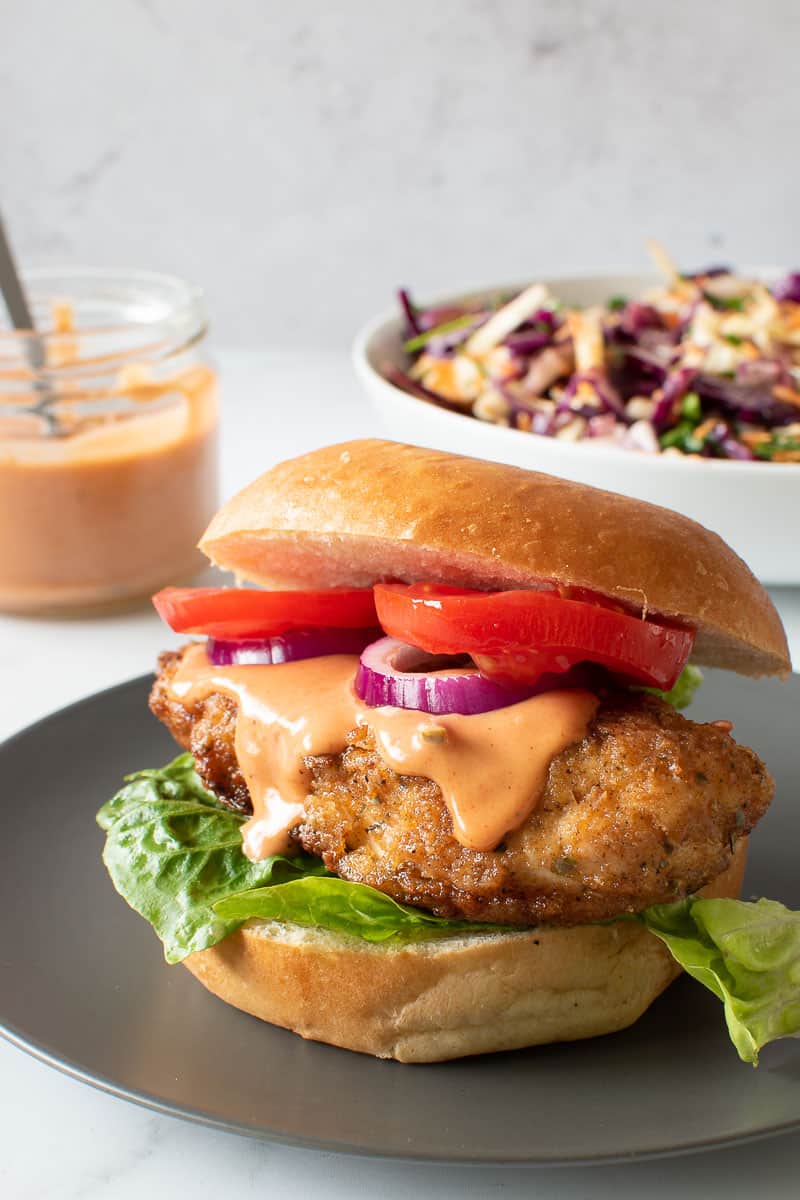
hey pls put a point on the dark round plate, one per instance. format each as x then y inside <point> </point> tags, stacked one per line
<point>85,988</point>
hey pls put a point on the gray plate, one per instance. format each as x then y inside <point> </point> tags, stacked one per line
<point>85,988</point>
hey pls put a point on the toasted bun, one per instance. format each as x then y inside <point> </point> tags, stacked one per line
<point>351,514</point>
<point>449,998</point>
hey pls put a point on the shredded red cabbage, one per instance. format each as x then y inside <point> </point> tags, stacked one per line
<point>404,381</point>
<point>676,387</point>
<point>708,273</point>
<point>528,342</point>
<point>788,288</point>
<point>410,313</point>
<point>602,388</point>
<point>749,396</point>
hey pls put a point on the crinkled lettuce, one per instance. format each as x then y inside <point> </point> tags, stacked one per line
<point>174,854</point>
<point>747,954</point>
<point>343,907</point>
<point>683,693</point>
<point>172,850</point>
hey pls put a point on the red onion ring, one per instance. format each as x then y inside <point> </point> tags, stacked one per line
<point>290,646</point>
<point>386,676</point>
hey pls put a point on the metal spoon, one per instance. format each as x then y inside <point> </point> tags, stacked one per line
<point>21,318</point>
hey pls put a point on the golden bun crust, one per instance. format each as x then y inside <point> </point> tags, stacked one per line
<point>351,514</point>
<point>450,998</point>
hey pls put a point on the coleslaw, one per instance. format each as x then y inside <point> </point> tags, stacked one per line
<point>706,365</point>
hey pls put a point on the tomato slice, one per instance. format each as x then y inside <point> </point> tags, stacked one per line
<point>521,635</point>
<point>244,613</point>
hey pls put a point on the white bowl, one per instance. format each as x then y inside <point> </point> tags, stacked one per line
<point>754,506</point>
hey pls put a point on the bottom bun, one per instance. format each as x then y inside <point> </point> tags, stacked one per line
<point>450,997</point>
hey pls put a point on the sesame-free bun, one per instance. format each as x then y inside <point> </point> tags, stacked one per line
<point>351,514</point>
<point>448,998</point>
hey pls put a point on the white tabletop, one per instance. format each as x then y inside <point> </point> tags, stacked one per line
<point>62,1139</point>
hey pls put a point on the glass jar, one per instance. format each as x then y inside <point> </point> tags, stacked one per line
<point>108,441</point>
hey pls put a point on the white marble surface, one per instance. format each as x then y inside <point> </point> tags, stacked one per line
<point>283,152</point>
<point>59,1138</point>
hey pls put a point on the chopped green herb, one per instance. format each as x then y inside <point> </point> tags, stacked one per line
<point>776,445</point>
<point>691,408</point>
<point>681,438</point>
<point>617,303</point>
<point>422,339</point>
<point>725,303</point>
<point>733,338</point>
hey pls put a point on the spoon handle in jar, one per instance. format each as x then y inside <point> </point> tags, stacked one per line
<point>15,299</point>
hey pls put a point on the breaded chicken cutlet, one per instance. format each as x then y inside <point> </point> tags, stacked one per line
<point>647,808</point>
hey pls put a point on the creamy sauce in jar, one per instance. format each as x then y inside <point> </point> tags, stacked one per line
<point>491,767</point>
<point>114,507</point>
<point>108,441</point>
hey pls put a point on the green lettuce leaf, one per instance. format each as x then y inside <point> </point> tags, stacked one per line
<point>174,854</point>
<point>172,850</point>
<point>343,907</point>
<point>683,693</point>
<point>747,954</point>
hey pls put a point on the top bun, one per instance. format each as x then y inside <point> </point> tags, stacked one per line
<point>352,514</point>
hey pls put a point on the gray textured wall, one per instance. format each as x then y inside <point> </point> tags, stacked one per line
<point>301,159</point>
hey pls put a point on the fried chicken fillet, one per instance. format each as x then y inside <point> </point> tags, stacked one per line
<point>646,809</point>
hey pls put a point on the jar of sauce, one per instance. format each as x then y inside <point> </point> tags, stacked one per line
<point>108,441</point>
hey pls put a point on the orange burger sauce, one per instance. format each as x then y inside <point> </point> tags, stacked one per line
<point>104,499</point>
<point>491,768</point>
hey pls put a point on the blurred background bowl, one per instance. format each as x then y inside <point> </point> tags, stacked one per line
<point>752,505</point>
